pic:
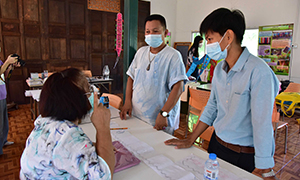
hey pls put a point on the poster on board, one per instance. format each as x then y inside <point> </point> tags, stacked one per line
<point>168,39</point>
<point>274,46</point>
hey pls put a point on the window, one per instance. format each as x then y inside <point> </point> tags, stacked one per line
<point>250,40</point>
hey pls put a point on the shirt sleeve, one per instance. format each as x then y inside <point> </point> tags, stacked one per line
<point>264,87</point>
<point>131,70</point>
<point>76,154</point>
<point>176,70</point>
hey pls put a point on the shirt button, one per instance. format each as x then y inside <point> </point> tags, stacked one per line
<point>154,71</point>
<point>228,84</point>
<point>226,101</point>
<point>155,62</point>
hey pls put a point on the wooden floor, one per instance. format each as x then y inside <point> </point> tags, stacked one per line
<point>287,166</point>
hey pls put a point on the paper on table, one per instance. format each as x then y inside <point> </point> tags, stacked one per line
<point>132,143</point>
<point>167,169</point>
<point>195,165</point>
<point>34,93</point>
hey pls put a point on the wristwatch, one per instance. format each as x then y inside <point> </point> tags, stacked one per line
<point>164,113</point>
<point>268,174</point>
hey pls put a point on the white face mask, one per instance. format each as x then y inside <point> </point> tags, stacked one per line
<point>200,45</point>
<point>153,40</point>
<point>214,50</point>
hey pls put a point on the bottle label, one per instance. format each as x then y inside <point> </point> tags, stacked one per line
<point>210,175</point>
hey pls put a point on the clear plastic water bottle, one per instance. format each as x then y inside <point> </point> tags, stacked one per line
<point>211,168</point>
<point>105,72</point>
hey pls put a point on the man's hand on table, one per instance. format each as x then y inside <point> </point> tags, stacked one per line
<point>126,109</point>
<point>160,122</point>
<point>179,143</point>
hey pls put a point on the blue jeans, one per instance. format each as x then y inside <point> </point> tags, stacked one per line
<point>3,124</point>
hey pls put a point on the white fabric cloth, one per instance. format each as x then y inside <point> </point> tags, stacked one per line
<point>151,88</point>
<point>34,93</point>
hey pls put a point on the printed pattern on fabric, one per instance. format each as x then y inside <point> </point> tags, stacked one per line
<point>61,150</point>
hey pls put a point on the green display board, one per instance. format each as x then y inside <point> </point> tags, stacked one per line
<point>274,46</point>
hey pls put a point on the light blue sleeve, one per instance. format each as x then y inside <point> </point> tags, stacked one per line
<point>264,87</point>
<point>176,70</point>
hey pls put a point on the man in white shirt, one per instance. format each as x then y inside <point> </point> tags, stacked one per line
<point>156,78</point>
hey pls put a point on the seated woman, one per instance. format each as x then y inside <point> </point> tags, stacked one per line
<point>57,147</point>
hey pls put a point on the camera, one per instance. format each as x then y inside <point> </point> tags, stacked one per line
<point>105,101</point>
<point>22,62</point>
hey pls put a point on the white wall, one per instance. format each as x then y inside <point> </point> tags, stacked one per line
<point>190,13</point>
<point>166,8</point>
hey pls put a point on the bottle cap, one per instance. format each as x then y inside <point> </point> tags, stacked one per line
<point>212,156</point>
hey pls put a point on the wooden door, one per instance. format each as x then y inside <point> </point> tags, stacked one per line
<point>11,42</point>
<point>56,34</point>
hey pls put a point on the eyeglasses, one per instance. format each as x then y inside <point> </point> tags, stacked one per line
<point>91,91</point>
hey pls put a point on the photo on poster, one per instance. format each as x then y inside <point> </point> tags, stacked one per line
<point>264,50</point>
<point>274,46</point>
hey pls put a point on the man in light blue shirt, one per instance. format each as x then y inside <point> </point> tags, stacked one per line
<point>241,101</point>
<point>155,82</point>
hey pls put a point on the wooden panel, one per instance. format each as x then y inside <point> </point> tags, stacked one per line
<point>32,29</point>
<point>58,48</point>
<point>77,13</point>
<point>9,9</point>
<point>77,49</point>
<point>75,30</point>
<point>144,11</point>
<point>12,45</point>
<point>96,22</point>
<point>111,43</point>
<point>57,12</point>
<point>31,10</point>
<point>15,94</point>
<point>10,27</point>
<point>96,65</point>
<point>57,30</point>
<point>96,41</point>
<point>32,46</point>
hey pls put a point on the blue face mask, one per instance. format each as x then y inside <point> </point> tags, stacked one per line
<point>153,40</point>
<point>214,50</point>
<point>91,100</point>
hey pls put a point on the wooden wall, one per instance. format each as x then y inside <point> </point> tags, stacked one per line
<point>57,34</point>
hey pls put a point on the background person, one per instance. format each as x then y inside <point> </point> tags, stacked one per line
<point>194,52</point>
<point>4,127</point>
<point>57,147</point>
<point>241,101</point>
<point>156,78</point>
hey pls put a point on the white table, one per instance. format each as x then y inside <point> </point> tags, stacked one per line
<point>145,132</point>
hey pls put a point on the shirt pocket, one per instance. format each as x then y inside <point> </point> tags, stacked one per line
<point>240,100</point>
<point>136,78</point>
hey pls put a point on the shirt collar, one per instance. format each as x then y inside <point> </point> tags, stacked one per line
<point>238,66</point>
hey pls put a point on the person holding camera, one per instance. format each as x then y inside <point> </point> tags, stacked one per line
<point>5,68</point>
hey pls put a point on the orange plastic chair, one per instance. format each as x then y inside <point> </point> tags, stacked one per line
<point>279,124</point>
<point>114,100</point>
<point>87,73</point>
<point>293,87</point>
<point>197,101</point>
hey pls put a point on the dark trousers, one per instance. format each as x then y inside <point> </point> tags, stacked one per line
<point>242,160</point>
<point>3,124</point>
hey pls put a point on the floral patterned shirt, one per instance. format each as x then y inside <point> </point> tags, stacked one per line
<point>61,150</point>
